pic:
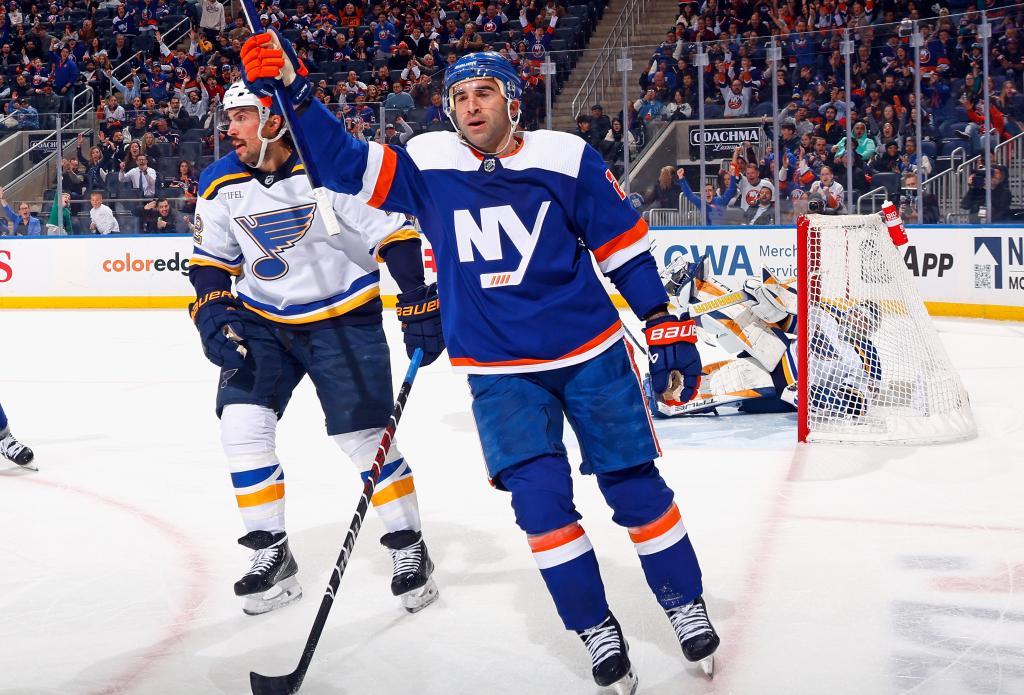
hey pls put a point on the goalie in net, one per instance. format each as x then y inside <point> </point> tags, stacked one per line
<point>851,340</point>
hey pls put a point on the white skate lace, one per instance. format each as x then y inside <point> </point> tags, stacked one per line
<point>11,447</point>
<point>602,641</point>
<point>407,560</point>
<point>689,621</point>
<point>263,560</point>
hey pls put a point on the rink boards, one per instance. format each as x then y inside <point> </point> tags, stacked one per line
<point>962,270</point>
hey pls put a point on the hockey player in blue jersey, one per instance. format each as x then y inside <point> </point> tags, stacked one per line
<point>11,449</point>
<point>514,223</point>
<point>303,302</point>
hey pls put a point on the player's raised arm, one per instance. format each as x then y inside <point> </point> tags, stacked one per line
<point>379,175</point>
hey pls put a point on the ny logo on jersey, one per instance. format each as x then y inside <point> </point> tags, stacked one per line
<point>274,232</point>
<point>486,237</point>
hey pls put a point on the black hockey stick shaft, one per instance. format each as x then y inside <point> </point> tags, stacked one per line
<point>290,683</point>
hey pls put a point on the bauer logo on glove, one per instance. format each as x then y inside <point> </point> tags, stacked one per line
<point>667,333</point>
<point>674,361</point>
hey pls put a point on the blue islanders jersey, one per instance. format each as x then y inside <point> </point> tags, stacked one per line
<point>267,230</point>
<point>514,238</point>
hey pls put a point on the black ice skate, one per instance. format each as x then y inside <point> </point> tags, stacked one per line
<point>411,569</point>
<point>609,654</point>
<point>696,635</point>
<point>13,450</point>
<point>271,582</point>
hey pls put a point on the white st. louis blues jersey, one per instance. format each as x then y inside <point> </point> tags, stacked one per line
<point>267,230</point>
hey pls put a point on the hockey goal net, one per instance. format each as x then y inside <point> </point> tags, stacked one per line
<point>872,368</point>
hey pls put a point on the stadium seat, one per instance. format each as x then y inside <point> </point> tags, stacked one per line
<point>929,148</point>
<point>950,144</point>
<point>890,180</point>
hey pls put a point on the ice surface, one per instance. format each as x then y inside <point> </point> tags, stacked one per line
<point>828,570</point>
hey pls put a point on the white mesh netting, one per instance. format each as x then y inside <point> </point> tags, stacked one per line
<point>874,367</point>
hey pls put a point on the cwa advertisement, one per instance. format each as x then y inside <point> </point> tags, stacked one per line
<point>959,270</point>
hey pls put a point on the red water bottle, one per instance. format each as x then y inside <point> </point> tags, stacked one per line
<point>897,232</point>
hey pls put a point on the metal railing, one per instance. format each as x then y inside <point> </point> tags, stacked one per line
<point>662,217</point>
<point>604,73</point>
<point>21,165</point>
<point>116,70</point>
<point>1007,153</point>
<point>876,196</point>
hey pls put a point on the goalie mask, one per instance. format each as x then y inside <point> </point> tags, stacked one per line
<point>238,96</point>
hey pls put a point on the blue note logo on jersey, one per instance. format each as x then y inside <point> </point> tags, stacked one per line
<point>275,232</point>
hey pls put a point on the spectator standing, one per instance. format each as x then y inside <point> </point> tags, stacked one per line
<point>764,212</point>
<point>716,207</point>
<point>141,176</point>
<point>750,186</point>
<point>212,21</point>
<point>65,214</point>
<point>22,222</point>
<point>393,137</point>
<point>102,220</point>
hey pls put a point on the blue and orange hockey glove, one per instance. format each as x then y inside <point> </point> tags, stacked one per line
<point>269,59</point>
<point>419,311</point>
<point>674,360</point>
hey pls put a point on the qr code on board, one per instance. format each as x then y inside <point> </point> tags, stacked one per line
<point>982,276</point>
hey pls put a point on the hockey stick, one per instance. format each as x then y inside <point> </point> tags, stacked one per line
<point>289,684</point>
<point>291,120</point>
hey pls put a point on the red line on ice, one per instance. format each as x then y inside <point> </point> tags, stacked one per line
<point>197,577</point>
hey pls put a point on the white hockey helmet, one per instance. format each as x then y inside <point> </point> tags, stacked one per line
<point>238,96</point>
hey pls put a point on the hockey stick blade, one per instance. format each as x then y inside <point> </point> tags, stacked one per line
<point>274,685</point>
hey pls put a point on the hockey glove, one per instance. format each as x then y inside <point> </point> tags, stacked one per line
<point>269,59</point>
<point>674,361</point>
<point>216,315</point>
<point>419,311</point>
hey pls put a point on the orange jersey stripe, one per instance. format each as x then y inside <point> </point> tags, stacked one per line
<point>629,237</point>
<point>384,179</point>
<point>605,335</point>
<point>271,493</point>
<point>556,538</point>
<point>657,527</point>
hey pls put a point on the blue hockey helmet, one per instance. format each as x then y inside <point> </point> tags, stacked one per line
<point>477,65</point>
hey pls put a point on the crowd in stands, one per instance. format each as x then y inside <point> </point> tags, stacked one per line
<point>159,68</point>
<point>816,103</point>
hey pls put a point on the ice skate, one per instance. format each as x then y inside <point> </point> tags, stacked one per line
<point>609,655</point>
<point>15,451</point>
<point>412,567</point>
<point>271,582</point>
<point>696,635</point>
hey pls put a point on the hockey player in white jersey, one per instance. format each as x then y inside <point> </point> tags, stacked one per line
<point>303,302</point>
<point>516,222</point>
